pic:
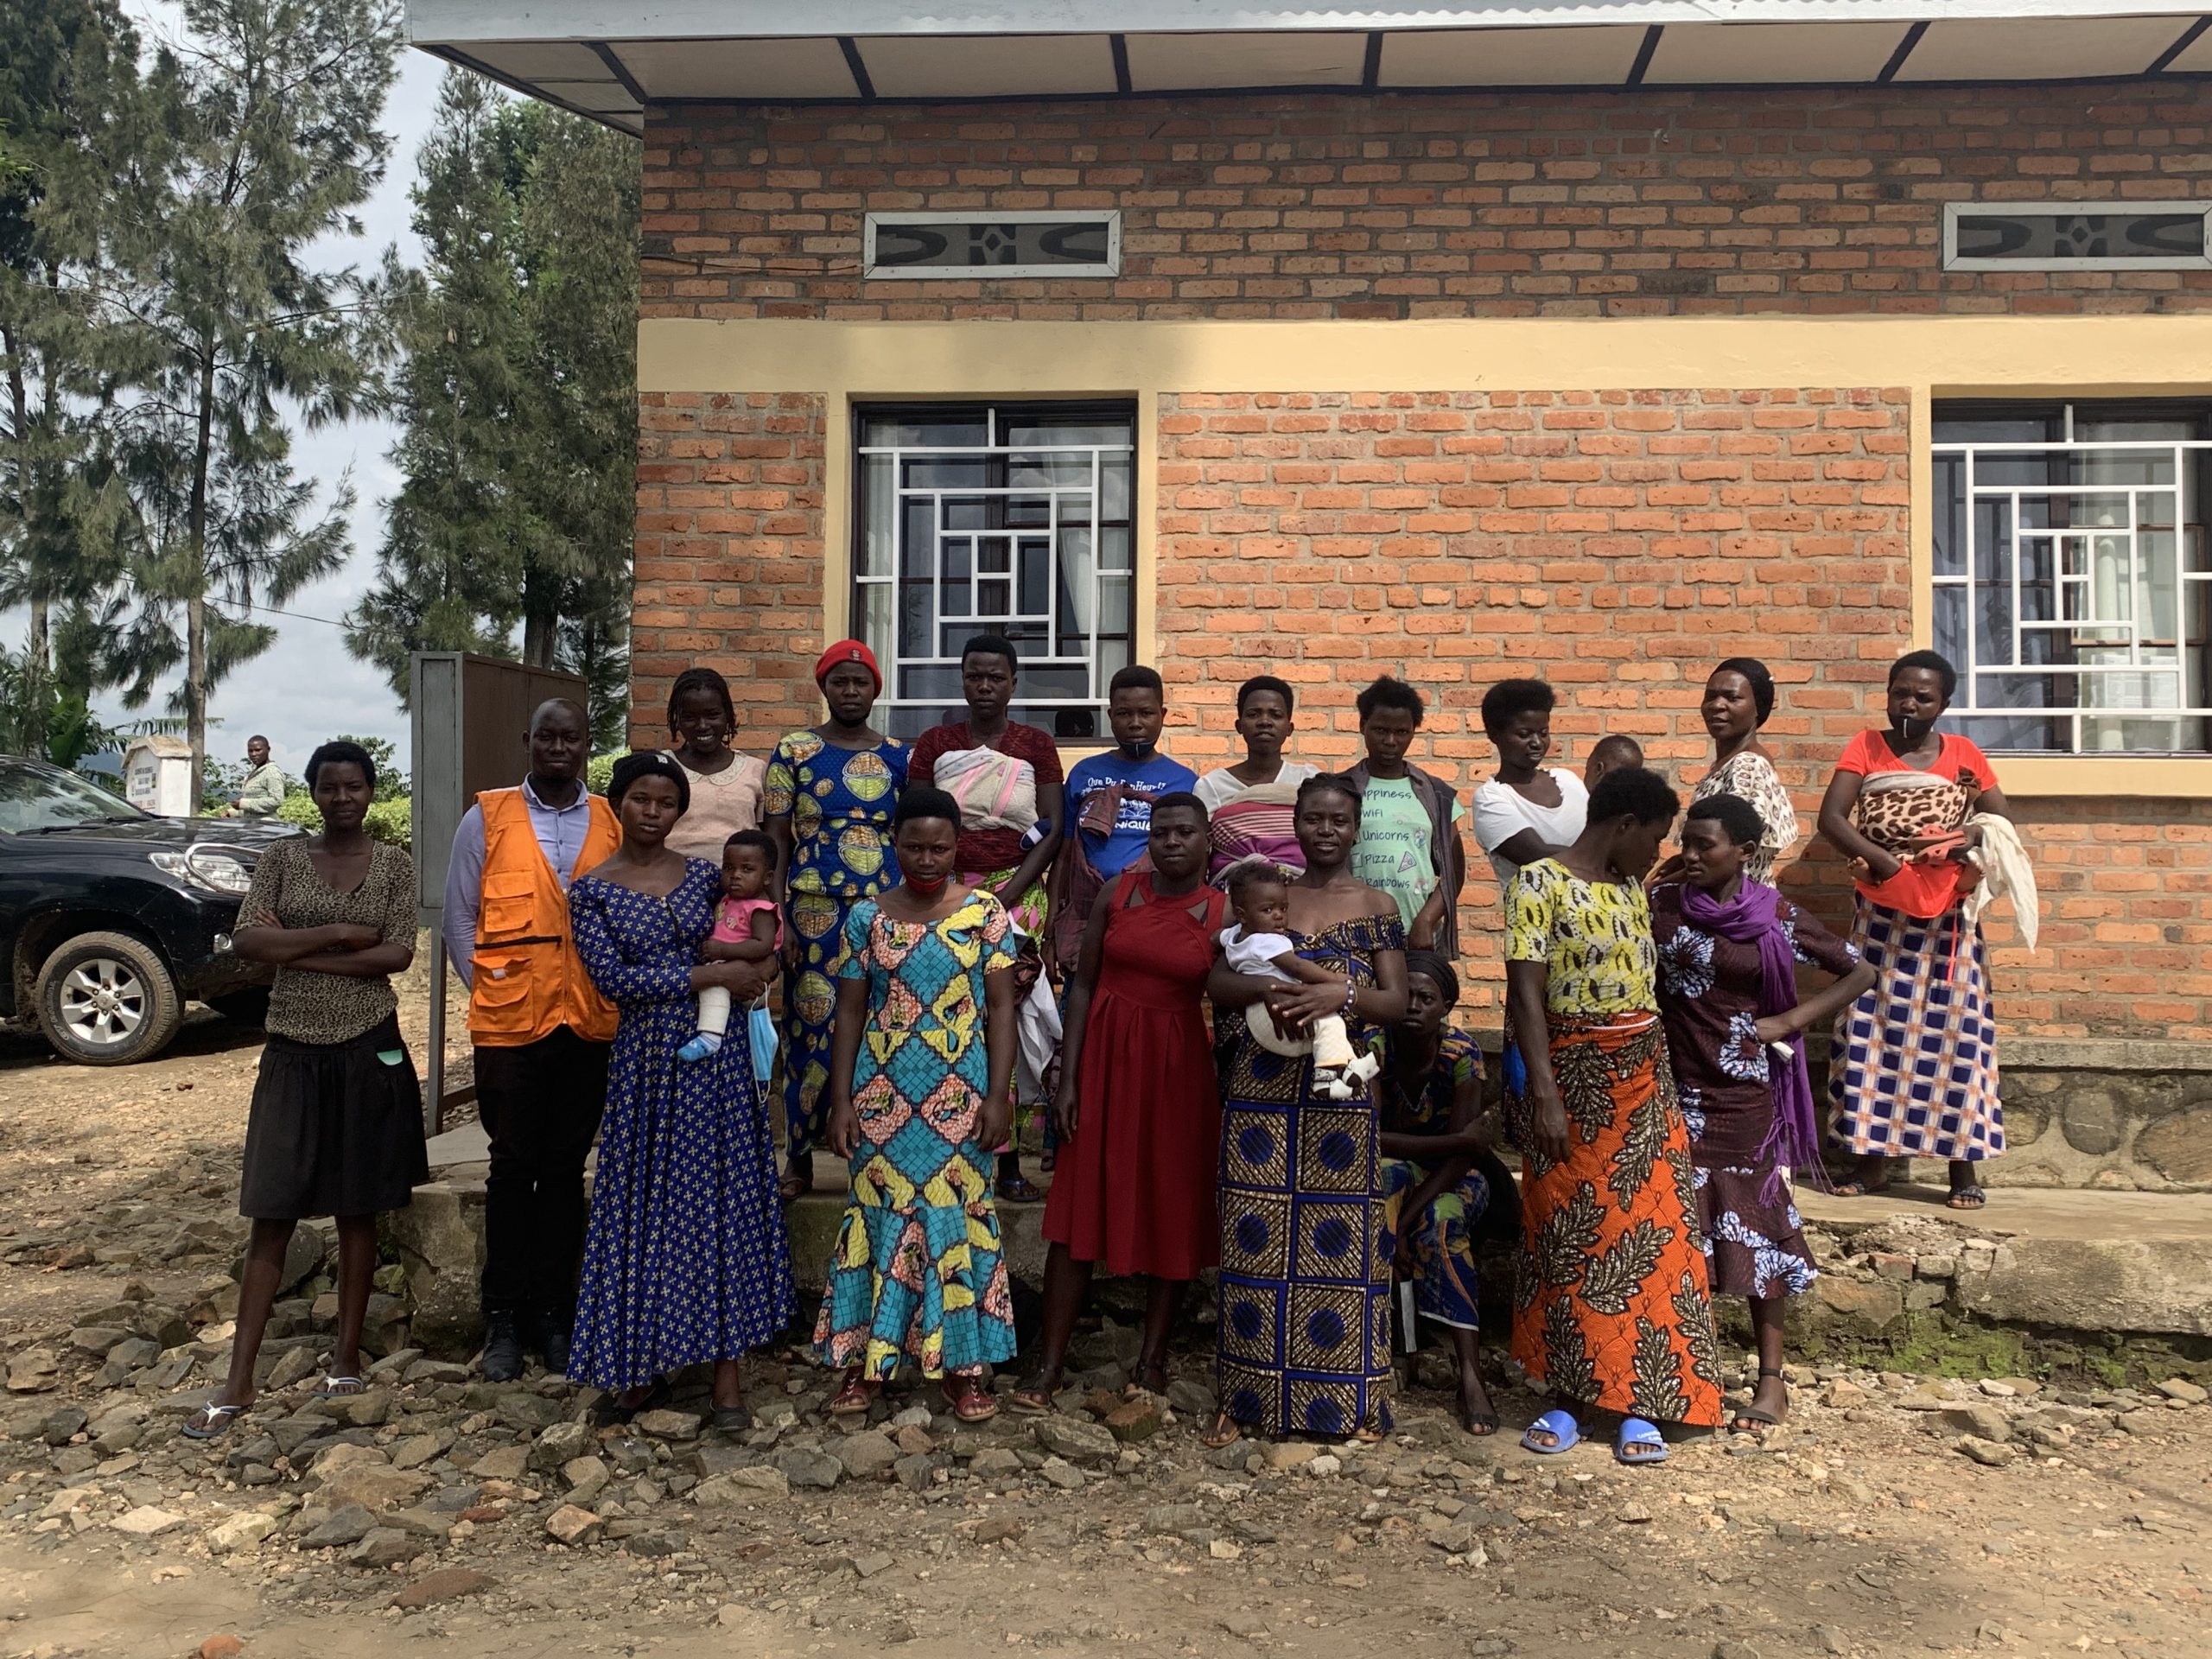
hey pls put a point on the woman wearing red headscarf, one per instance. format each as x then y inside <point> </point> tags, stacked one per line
<point>830,792</point>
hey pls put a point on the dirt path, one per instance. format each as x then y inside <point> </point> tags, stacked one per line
<point>1860,1529</point>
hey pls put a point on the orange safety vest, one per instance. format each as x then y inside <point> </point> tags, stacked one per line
<point>528,981</point>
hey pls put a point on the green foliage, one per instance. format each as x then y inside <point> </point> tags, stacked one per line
<point>392,784</point>
<point>599,771</point>
<point>517,401</point>
<point>220,782</point>
<point>390,819</point>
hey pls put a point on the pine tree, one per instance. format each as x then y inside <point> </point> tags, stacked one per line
<point>276,113</point>
<point>518,401</point>
<point>73,117</point>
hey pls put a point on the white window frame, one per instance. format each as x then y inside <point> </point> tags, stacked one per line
<point>1110,266</point>
<point>1088,497</point>
<point>2122,630</point>
<point>1954,211</point>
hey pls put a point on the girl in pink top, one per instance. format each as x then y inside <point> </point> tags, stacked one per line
<point>748,927</point>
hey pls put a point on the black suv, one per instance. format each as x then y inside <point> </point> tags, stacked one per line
<point>111,917</point>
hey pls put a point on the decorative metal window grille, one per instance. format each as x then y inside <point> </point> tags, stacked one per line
<point>968,245</point>
<point>2072,585</point>
<point>2078,236</point>
<point>1011,519</point>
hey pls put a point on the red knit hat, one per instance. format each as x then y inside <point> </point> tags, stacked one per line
<point>848,651</point>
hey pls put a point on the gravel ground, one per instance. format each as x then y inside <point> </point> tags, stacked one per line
<point>1895,1515</point>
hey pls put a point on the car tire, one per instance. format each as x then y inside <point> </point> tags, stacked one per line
<point>107,999</point>
<point>246,1008</point>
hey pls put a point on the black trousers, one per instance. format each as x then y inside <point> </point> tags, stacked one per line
<point>539,1104</point>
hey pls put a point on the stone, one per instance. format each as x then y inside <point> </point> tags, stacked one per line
<point>560,1443</point>
<point>446,1584</point>
<point>167,1327</point>
<point>293,1365</point>
<point>519,1408</point>
<point>418,1449</point>
<point>1634,1513</point>
<point>1872,1305</point>
<point>1172,1520</point>
<point>1086,1444</point>
<point>222,1646</point>
<point>2181,1389</point>
<point>917,1472</point>
<point>1730,1649</point>
<point>146,1522</point>
<point>740,1489</point>
<point>912,1439</point>
<point>995,1463</point>
<point>570,1525</point>
<point>385,1547</point>
<point>1983,1422</point>
<point>809,1468</point>
<point>34,1371</point>
<point>341,1529</point>
<point>439,1240</point>
<point>502,1463</point>
<point>94,1340</point>
<point>1991,1454</point>
<point>2143,1421</point>
<point>585,1477</point>
<point>867,1455</point>
<point>667,1424</point>
<point>867,1567</point>
<point>62,1425</point>
<point>241,1532</point>
<point>1058,1471</point>
<point>375,1486</point>
<point>2179,1145</point>
<point>1134,1422</point>
<point>1840,1395</point>
<point>1245,1624</point>
<point>1190,1397</point>
<point>1283,1455</point>
<point>1327,1463</point>
<point>2093,1121</point>
<point>998,1529</point>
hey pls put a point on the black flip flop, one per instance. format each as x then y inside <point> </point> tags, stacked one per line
<point>1968,1197</point>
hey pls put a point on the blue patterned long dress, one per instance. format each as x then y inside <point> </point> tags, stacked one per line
<point>1304,1333</point>
<point>687,1259</point>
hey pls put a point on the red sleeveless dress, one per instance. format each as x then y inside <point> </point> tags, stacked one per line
<point>1134,1191</point>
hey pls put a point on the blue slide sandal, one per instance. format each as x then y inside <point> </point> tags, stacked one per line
<point>1566,1434</point>
<point>1639,1442</point>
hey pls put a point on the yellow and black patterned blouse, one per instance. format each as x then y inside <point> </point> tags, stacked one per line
<point>1594,937</point>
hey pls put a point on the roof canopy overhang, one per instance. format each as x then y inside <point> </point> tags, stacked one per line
<point>612,67</point>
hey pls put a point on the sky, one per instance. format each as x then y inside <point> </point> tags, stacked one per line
<point>306,687</point>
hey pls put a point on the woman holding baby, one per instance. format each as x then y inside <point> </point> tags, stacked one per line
<point>686,1261</point>
<point>1305,1324</point>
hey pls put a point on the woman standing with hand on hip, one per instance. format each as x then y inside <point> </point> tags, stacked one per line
<point>336,1127</point>
<point>1913,1072</point>
<point>831,791</point>
<point>919,1090</point>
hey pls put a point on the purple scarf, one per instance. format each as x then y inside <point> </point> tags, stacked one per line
<point>1754,915</point>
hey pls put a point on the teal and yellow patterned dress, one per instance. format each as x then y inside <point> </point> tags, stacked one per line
<point>839,802</point>
<point>918,1272</point>
<point>1442,1236</point>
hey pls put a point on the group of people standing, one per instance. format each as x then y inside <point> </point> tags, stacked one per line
<point>1323,1136</point>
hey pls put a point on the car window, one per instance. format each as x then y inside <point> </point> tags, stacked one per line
<point>40,798</point>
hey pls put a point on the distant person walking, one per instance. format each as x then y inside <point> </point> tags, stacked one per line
<point>540,1029</point>
<point>336,1126</point>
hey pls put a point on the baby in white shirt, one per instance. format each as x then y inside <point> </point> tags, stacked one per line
<point>1259,946</point>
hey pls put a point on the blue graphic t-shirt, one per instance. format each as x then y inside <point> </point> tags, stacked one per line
<point>1142,782</point>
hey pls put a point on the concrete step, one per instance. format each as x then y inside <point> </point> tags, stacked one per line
<point>2069,1259</point>
<point>2073,1260</point>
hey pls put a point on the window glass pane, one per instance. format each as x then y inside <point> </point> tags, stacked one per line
<point>1951,515</point>
<point>924,429</point>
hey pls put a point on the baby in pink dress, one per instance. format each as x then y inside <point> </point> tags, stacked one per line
<point>748,927</point>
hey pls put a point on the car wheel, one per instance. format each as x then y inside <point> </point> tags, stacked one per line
<point>246,1008</point>
<point>107,999</point>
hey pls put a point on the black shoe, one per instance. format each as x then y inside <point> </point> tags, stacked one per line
<point>552,1342</point>
<point>502,1348</point>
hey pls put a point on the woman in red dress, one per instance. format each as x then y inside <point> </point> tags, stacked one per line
<point>1138,1108</point>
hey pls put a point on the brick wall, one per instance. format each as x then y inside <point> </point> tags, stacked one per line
<point>728,566</point>
<point>1445,204</point>
<point>1619,543</point>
